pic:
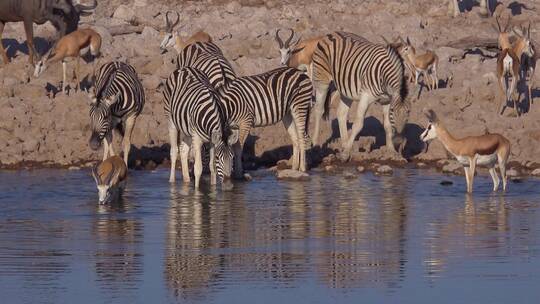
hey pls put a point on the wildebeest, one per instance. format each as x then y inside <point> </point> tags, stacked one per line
<point>63,14</point>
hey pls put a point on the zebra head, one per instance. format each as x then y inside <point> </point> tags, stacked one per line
<point>399,116</point>
<point>100,118</point>
<point>223,143</point>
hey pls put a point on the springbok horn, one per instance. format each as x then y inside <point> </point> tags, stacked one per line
<point>384,39</point>
<point>167,22</point>
<point>177,20</point>
<point>278,39</point>
<point>290,38</point>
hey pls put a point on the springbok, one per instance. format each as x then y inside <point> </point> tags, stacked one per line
<point>484,150</point>
<point>298,54</point>
<point>110,176</point>
<point>71,46</point>
<point>525,51</point>
<point>422,64</point>
<point>171,38</point>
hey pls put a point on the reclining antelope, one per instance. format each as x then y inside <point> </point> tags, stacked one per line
<point>484,150</point>
<point>110,176</point>
<point>298,54</point>
<point>171,37</point>
<point>70,47</point>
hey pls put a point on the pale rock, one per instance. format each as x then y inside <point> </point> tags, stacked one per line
<point>360,169</point>
<point>292,174</point>
<point>512,173</point>
<point>451,167</point>
<point>385,169</point>
<point>125,13</point>
<point>536,172</point>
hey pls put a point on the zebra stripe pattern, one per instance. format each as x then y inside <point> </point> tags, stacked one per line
<point>116,101</point>
<point>364,72</point>
<point>207,58</point>
<point>195,114</point>
<point>283,94</point>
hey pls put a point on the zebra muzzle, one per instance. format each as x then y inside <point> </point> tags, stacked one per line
<point>94,142</point>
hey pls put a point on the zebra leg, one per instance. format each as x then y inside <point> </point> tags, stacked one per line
<point>212,165</point>
<point>389,133</point>
<point>173,137</point>
<point>291,128</point>
<point>184,158</point>
<point>363,105</point>
<point>126,141</point>
<point>197,170</point>
<point>321,90</point>
<point>109,144</point>
<point>342,115</point>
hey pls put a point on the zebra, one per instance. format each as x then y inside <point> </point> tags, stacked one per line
<point>117,100</point>
<point>195,114</point>
<point>365,72</point>
<point>283,94</point>
<point>208,59</point>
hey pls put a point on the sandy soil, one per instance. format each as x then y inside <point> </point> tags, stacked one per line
<point>39,130</point>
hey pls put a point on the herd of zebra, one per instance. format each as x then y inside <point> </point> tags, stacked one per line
<point>211,110</point>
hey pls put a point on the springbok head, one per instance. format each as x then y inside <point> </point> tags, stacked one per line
<point>168,33</point>
<point>430,133</point>
<point>524,35</point>
<point>109,176</point>
<point>286,48</point>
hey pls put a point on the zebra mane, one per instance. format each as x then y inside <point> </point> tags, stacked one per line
<point>106,85</point>
<point>404,86</point>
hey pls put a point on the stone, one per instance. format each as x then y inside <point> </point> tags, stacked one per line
<point>329,168</point>
<point>451,167</point>
<point>329,159</point>
<point>349,175</point>
<point>74,168</point>
<point>512,173</point>
<point>233,7</point>
<point>152,82</point>
<point>360,169</point>
<point>385,170</point>
<point>140,3</point>
<point>124,12</point>
<point>536,172</point>
<point>446,183</point>
<point>292,175</point>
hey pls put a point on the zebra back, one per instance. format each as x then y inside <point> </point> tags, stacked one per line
<point>119,77</point>
<point>207,58</point>
<point>266,98</point>
<point>357,66</point>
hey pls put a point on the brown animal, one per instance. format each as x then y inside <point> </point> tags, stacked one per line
<point>69,47</point>
<point>422,64</point>
<point>171,38</point>
<point>485,150</point>
<point>508,65</point>
<point>110,176</point>
<point>299,54</point>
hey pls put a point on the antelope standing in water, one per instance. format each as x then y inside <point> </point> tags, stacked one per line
<point>110,176</point>
<point>484,150</point>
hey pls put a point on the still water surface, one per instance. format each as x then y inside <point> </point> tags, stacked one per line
<point>397,239</point>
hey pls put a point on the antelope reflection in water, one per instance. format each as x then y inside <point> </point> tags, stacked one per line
<point>364,237</point>
<point>469,231</point>
<point>118,256</point>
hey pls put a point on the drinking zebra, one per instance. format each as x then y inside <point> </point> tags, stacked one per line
<point>283,94</point>
<point>364,72</point>
<point>196,118</point>
<point>116,101</point>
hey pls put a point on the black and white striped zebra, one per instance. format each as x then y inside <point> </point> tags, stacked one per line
<point>208,59</point>
<point>364,72</point>
<point>116,102</point>
<point>195,118</point>
<point>283,94</point>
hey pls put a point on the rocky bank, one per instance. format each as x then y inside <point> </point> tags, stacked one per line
<point>40,129</point>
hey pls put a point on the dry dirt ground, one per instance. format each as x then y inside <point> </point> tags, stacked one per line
<point>39,130</point>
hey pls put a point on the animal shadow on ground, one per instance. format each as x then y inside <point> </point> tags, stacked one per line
<point>414,144</point>
<point>517,8</point>
<point>13,46</point>
<point>148,157</point>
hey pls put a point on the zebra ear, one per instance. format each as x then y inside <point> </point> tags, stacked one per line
<point>216,137</point>
<point>234,136</point>
<point>112,100</point>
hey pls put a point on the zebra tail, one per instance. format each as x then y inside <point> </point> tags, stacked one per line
<point>328,101</point>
